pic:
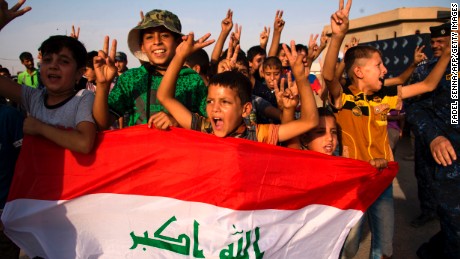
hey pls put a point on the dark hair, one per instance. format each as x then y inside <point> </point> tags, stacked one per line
<point>280,47</point>
<point>25,55</point>
<point>272,62</point>
<point>254,51</point>
<point>55,44</point>
<point>89,58</point>
<point>357,52</point>
<point>325,112</point>
<point>235,81</point>
<point>201,58</point>
<point>322,112</point>
<point>5,70</point>
<point>299,47</point>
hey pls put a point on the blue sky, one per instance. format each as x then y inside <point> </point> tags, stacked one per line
<point>97,18</point>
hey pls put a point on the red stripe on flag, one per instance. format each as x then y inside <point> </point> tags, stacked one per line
<point>192,166</point>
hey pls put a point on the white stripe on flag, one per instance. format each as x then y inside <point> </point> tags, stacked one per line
<point>108,225</point>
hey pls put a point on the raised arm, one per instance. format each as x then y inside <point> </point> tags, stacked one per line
<point>9,88</point>
<point>419,56</point>
<point>339,26</point>
<point>277,29</point>
<point>7,15</point>
<point>432,80</point>
<point>104,66</point>
<point>227,25</point>
<point>308,113</point>
<point>341,67</point>
<point>167,88</point>
<point>323,44</point>
<point>229,63</point>
<point>264,36</point>
<point>75,33</point>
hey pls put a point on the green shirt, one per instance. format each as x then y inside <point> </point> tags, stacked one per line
<point>129,94</point>
<point>25,78</point>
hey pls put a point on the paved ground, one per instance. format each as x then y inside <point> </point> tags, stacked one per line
<point>407,239</point>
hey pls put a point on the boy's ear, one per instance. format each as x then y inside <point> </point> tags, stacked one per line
<point>247,108</point>
<point>197,68</point>
<point>358,72</point>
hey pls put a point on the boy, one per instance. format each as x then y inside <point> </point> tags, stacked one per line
<point>121,62</point>
<point>262,110</point>
<point>154,42</point>
<point>199,61</point>
<point>362,114</point>
<point>229,101</point>
<point>271,72</point>
<point>30,76</point>
<point>256,57</point>
<point>59,112</point>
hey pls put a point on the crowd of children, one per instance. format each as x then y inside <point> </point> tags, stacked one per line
<point>264,96</point>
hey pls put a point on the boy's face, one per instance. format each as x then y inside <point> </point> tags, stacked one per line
<point>256,62</point>
<point>59,71</point>
<point>372,73</point>
<point>438,45</point>
<point>243,69</point>
<point>90,74</point>
<point>283,58</point>
<point>121,66</point>
<point>272,76</point>
<point>28,63</point>
<point>304,60</point>
<point>225,110</point>
<point>323,138</point>
<point>159,45</point>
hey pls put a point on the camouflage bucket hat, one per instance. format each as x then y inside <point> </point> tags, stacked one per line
<point>152,19</point>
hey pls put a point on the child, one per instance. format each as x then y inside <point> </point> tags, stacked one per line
<point>362,114</point>
<point>271,72</point>
<point>229,101</point>
<point>324,137</point>
<point>262,110</point>
<point>154,42</point>
<point>256,57</point>
<point>58,112</point>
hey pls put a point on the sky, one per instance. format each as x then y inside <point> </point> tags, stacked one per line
<point>115,18</point>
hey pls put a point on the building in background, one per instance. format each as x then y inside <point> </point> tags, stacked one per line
<point>396,33</point>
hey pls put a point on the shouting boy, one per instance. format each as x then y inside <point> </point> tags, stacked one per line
<point>362,114</point>
<point>229,101</point>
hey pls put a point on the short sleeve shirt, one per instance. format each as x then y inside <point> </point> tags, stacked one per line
<point>67,114</point>
<point>363,119</point>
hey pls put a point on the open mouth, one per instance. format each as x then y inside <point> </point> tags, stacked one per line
<point>328,149</point>
<point>218,123</point>
<point>53,77</point>
<point>159,51</point>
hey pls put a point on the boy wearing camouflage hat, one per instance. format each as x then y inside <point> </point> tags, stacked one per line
<point>154,43</point>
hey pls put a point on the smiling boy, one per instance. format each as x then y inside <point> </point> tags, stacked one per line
<point>229,101</point>
<point>154,43</point>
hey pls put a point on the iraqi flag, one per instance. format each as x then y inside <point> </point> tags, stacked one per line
<point>145,193</point>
